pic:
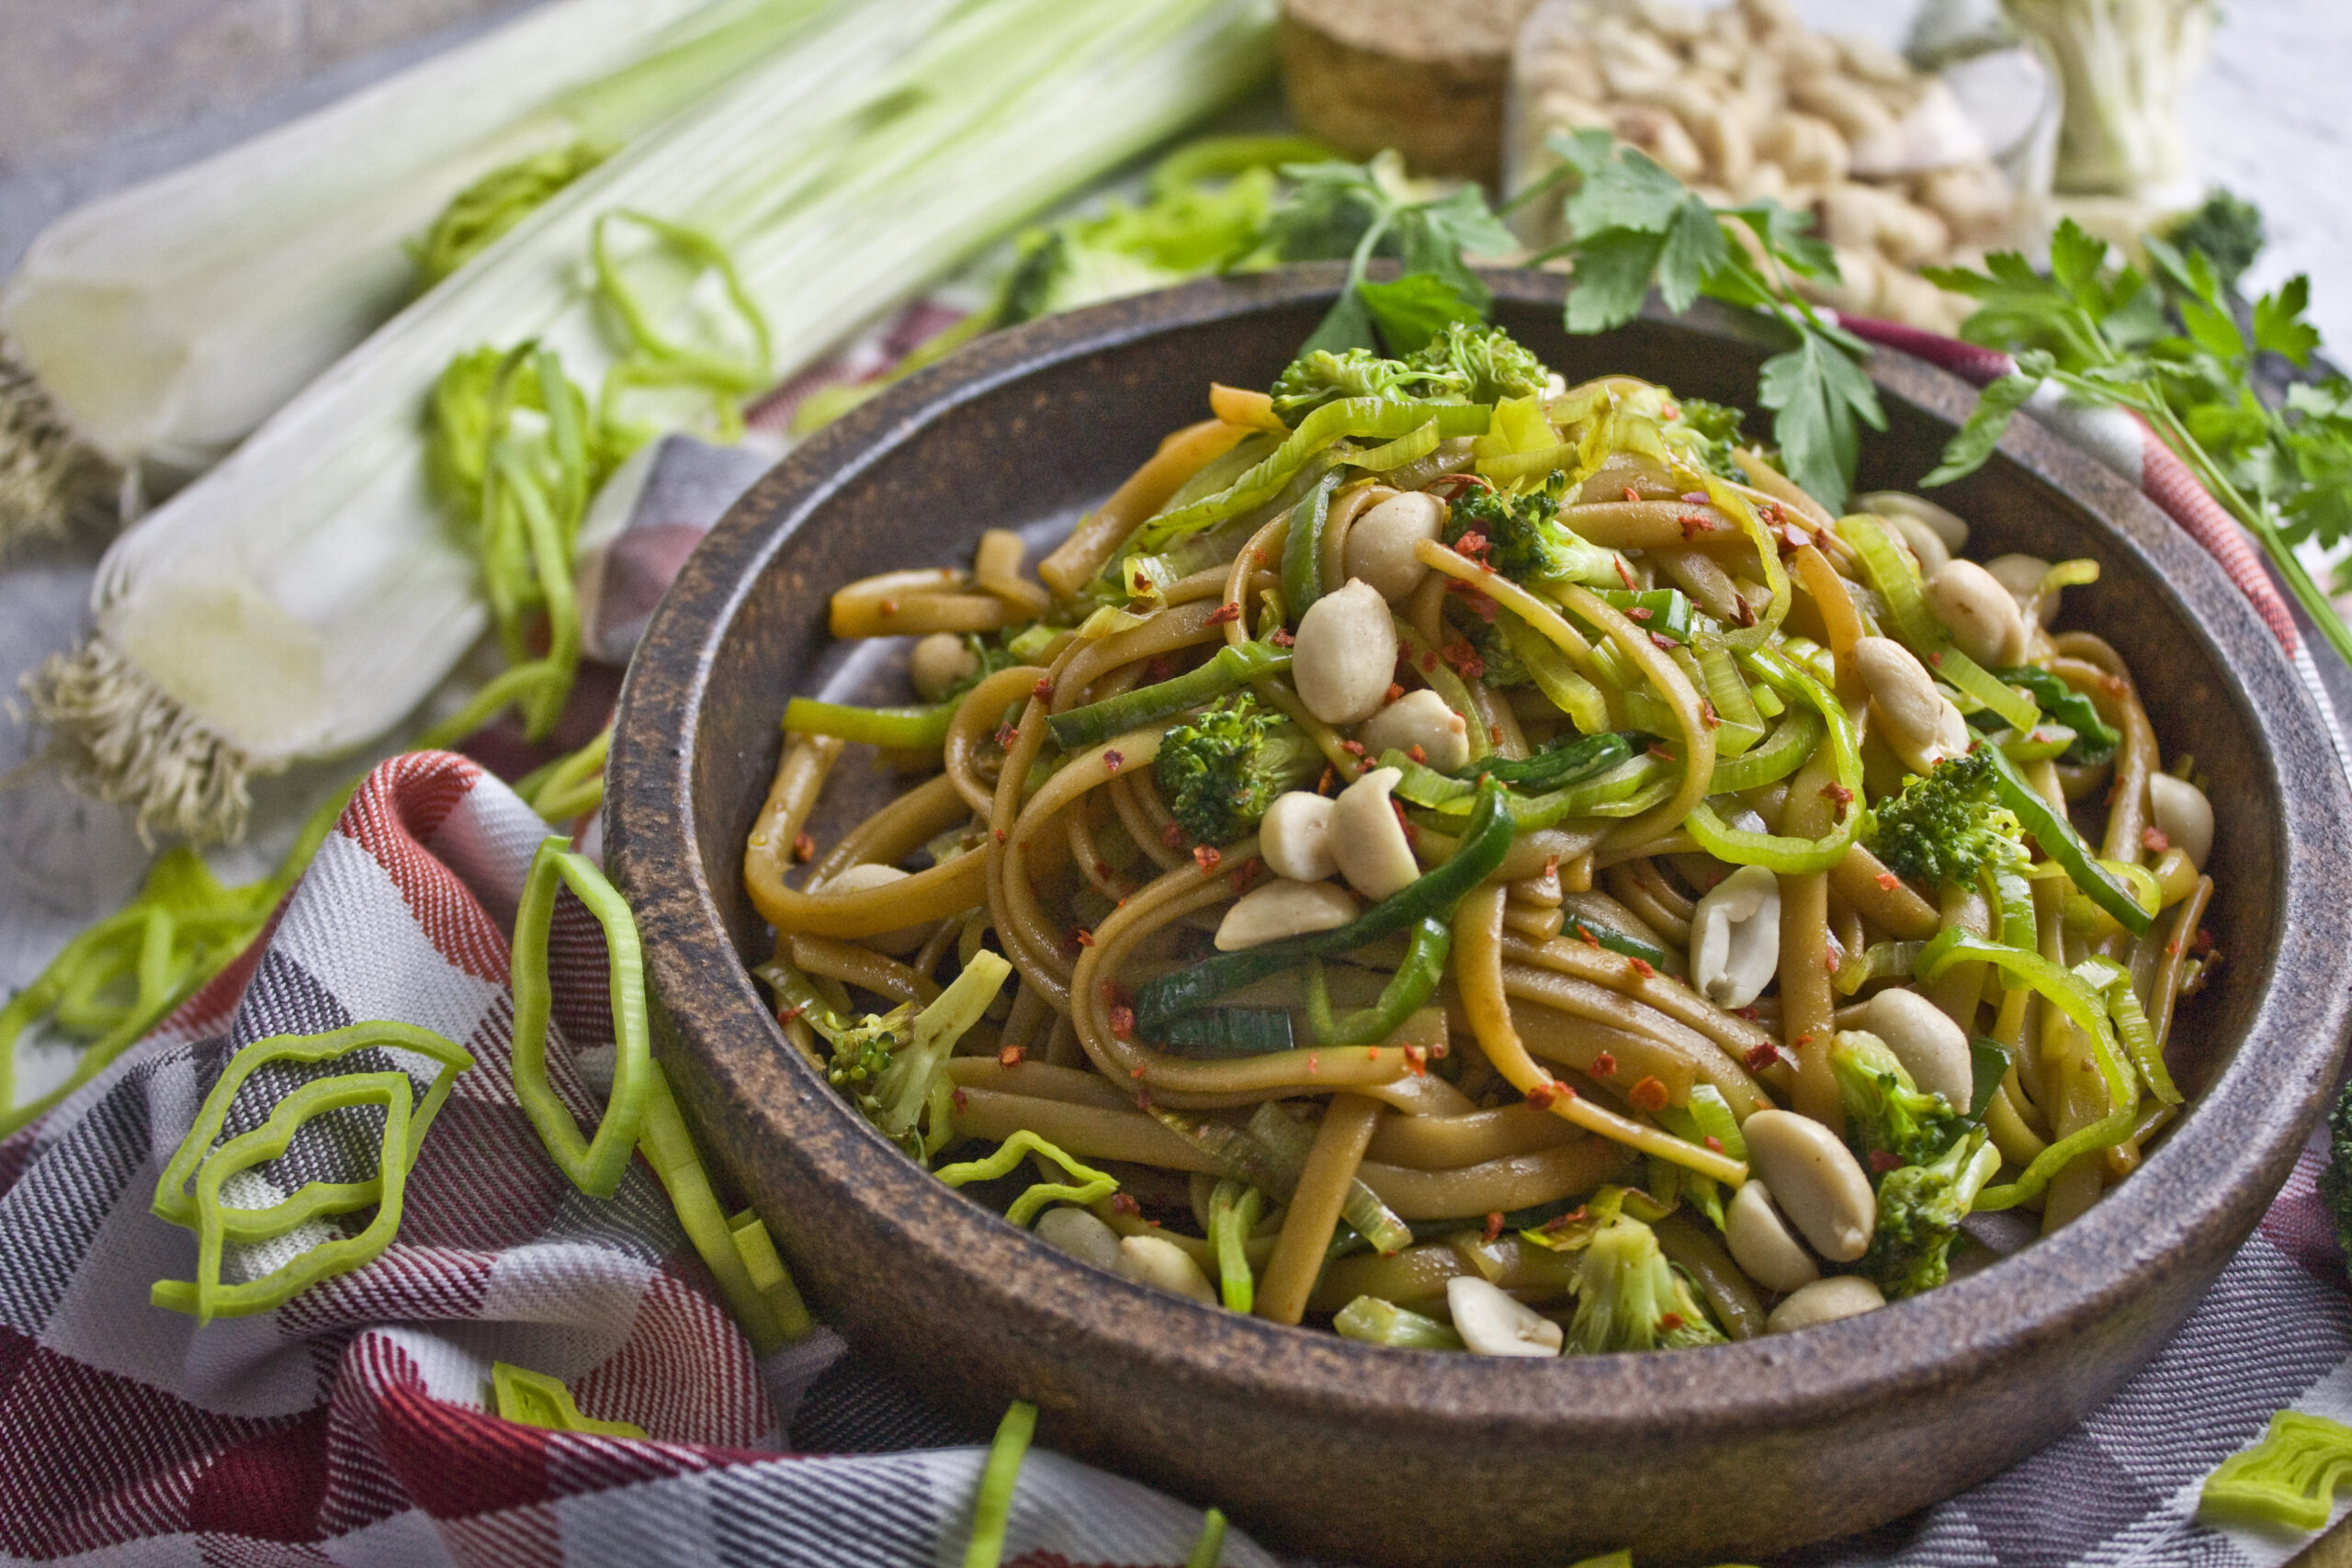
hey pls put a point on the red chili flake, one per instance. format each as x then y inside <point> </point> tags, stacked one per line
<point>1762,1056</point>
<point>2154,839</point>
<point>1247,874</point>
<point>1044,690</point>
<point>1372,1053</point>
<point>1134,1072</point>
<point>795,1011</point>
<point>1206,858</point>
<point>1323,785</point>
<point>2115,685</point>
<point>1669,1321</point>
<point>1938,660</point>
<point>1102,870</point>
<point>1258,555</point>
<point>1546,1093</point>
<point>1494,735</point>
<point>1465,659</point>
<point>963,1101</point>
<point>1113,761</point>
<point>1494,1224</point>
<point>1657,748</point>
<point>1803,1040</point>
<point>1314,1063</point>
<point>1625,576</point>
<point>1417,1057</point>
<point>1472,546</point>
<point>1009,1057</point>
<point>1225,613</point>
<point>1648,1095</point>
<point>1743,611</point>
<point>1630,494</point>
<point>1353,747</point>
<point>1005,736</point>
<point>889,607</point>
<point>1888,881</point>
<point>1830,960</point>
<point>1429,662</point>
<point>1417,753</point>
<point>1123,1024</point>
<point>1664,641</point>
<point>1584,935</point>
<point>1172,836</point>
<point>1081,936</point>
<point>1692,526</point>
<point>1748,1014</point>
<point>1713,1143</point>
<point>1881,1162</point>
<point>804,848</point>
<point>1640,967</point>
<point>1839,796</point>
<point>999,835</point>
<point>1604,1066</point>
<point>1639,614</point>
<point>1124,1203</point>
<point>2172,948</point>
<point>1395,690</point>
<point>1562,1222</point>
<point>1282,638</point>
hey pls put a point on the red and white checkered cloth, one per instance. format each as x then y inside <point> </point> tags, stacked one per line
<point>352,1425</point>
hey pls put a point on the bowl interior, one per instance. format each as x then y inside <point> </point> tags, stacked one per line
<point>1785,1440</point>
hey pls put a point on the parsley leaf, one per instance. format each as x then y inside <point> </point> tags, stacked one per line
<point>1634,226</point>
<point>1360,211</point>
<point>2283,470</point>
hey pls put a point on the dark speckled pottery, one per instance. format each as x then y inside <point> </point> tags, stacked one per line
<point>1394,1457</point>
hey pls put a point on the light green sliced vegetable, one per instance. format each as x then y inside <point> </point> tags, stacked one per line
<point>1086,1184</point>
<point>534,1399</point>
<point>2288,1478</point>
<point>1376,1321</point>
<point>992,1506</point>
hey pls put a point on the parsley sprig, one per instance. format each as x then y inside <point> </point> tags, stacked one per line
<point>1633,225</point>
<point>1363,210</point>
<point>2103,334</point>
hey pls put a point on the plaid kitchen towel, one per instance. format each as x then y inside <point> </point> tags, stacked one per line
<point>353,1425</point>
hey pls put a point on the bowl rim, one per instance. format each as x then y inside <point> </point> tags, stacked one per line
<point>2217,1172</point>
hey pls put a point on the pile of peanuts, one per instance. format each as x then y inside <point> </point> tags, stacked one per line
<point>1744,103</point>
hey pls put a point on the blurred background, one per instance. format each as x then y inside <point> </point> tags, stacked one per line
<point>95,94</point>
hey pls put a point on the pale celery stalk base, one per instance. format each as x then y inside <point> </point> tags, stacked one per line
<point>51,482</point>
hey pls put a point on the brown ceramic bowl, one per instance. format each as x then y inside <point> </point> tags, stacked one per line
<point>1395,1457</point>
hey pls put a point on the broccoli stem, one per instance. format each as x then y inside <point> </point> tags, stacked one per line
<point>1233,667</point>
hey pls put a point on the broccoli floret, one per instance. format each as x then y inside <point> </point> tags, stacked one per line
<point>1526,541</point>
<point>1219,772</point>
<point>1945,826</point>
<point>1629,1298</point>
<point>1313,379</point>
<point>1919,1210</point>
<point>2336,1176</point>
<point>2227,230</point>
<point>1489,362</point>
<point>1888,1115</point>
<point>1709,434</point>
<point>893,1066</point>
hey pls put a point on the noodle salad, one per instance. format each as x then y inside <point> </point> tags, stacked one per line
<point>1481,863</point>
